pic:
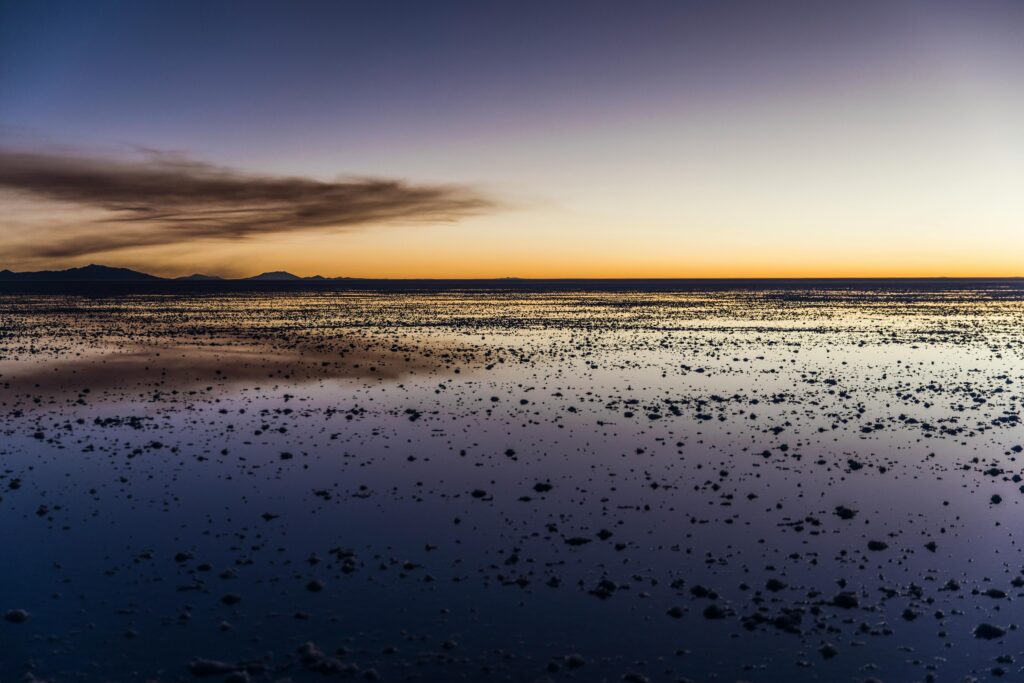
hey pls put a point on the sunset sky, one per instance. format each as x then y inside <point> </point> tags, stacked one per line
<point>531,139</point>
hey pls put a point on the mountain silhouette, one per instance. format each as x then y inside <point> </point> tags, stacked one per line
<point>98,273</point>
<point>275,275</point>
<point>199,276</point>
<point>89,273</point>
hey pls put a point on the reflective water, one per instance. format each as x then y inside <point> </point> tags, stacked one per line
<point>734,485</point>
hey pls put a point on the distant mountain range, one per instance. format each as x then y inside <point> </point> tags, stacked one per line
<point>121,279</point>
<point>97,273</point>
<point>86,273</point>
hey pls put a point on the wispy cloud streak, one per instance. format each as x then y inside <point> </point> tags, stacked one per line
<point>168,199</point>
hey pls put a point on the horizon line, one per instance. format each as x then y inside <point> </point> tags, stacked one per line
<point>286,276</point>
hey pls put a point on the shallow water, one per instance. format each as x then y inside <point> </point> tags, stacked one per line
<point>513,485</point>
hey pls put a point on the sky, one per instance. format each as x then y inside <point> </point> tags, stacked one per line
<point>370,138</point>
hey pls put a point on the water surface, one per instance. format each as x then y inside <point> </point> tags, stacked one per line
<point>746,483</point>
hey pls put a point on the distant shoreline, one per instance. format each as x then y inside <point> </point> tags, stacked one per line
<point>90,287</point>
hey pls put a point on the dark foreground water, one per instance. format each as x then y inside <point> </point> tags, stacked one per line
<point>743,484</point>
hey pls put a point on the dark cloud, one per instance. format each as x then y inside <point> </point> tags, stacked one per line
<point>168,198</point>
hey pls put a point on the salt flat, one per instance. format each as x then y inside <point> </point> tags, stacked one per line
<point>747,483</point>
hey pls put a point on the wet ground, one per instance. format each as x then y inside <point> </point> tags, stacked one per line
<point>744,484</point>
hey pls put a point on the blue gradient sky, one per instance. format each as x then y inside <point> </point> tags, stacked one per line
<point>622,138</point>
